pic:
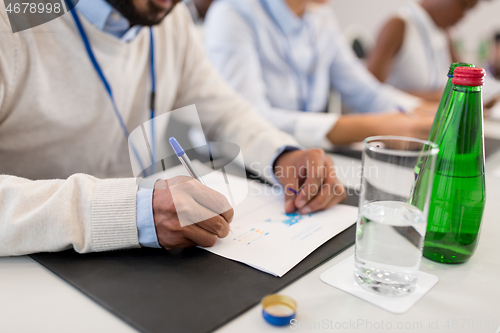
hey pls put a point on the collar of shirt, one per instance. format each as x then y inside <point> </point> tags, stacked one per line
<point>107,19</point>
<point>284,17</point>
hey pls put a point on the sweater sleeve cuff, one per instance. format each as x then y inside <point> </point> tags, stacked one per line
<point>113,217</point>
<point>311,129</point>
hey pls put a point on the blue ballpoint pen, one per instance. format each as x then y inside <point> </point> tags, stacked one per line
<point>181,154</point>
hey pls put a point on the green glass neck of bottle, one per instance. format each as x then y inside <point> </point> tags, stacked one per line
<point>467,89</point>
<point>442,113</point>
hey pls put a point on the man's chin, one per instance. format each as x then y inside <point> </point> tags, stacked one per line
<point>161,8</point>
<point>152,14</point>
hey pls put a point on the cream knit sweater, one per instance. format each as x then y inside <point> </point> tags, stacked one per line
<point>59,137</point>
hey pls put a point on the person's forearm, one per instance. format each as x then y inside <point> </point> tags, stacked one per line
<point>352,128</point>
<point>81,212</point>
<point>432,96</point>
<point>355,128</point>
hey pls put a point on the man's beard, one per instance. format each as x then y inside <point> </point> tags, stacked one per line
<point>151,16</point>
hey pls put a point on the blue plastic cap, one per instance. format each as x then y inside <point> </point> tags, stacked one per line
<point>275,320</point>
<point>177,147</point>
<point>278,318</point>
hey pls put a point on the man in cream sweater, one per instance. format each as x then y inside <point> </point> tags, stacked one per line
<point>64,159</point>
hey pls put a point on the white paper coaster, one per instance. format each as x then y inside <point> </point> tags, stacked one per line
<point>341,276</point>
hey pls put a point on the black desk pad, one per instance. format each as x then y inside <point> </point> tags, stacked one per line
<point>189,290</point>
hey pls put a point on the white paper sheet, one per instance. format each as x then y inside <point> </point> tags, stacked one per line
<point>263,236</point>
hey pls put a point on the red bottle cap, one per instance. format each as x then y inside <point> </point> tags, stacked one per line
<point>468,76</point>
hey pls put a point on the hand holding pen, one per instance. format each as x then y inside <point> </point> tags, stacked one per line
<point>188,213</point>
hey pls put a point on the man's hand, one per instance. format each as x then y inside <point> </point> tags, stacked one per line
<point>207,212</point>
<point>312,174</point>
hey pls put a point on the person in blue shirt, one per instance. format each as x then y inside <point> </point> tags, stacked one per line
<point>284,56</point>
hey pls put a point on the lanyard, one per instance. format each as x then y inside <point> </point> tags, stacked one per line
<point>107,86</point>
<point>305,97</point>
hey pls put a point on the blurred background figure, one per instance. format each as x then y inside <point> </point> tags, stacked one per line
<point>493,70</point>
<point>494,57</point>
<point>414,50</point>
<point>284,56</point>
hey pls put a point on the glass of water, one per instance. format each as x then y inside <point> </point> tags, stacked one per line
<point>393,209</point>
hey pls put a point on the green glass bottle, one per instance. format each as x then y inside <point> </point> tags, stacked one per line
<point>442,112</point>
<point>458,192</point>
<point>442,108</point>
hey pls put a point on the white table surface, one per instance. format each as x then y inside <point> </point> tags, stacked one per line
<point>33,299</point>
<point>465,292</point>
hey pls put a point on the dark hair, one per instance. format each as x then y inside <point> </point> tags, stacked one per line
<point>497,37</point>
